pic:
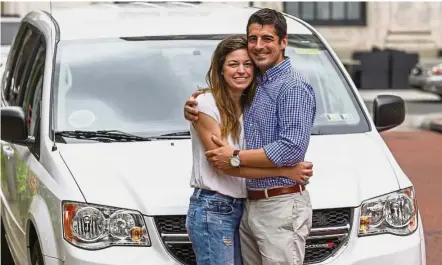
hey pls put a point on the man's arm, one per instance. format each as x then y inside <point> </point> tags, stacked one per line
<point>220,156</point>
<point>206,126</point>
<point>255,158</point>
<point>296,114</point>
<point>190,111</point>
<point>299,173</point>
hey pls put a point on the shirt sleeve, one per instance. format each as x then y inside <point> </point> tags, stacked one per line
<point>207,105</point>
<point>296,110</point>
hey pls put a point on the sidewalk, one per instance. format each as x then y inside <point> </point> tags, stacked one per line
<point>405,94</point>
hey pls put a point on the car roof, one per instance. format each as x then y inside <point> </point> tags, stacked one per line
<point>138,19</point>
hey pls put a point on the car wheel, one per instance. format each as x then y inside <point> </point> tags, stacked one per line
<point>5,252</point>
<point>36,256</point>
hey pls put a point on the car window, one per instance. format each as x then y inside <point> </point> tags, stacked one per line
<point>32,97</point>
<point>140,85</point>
<point>34,84</point>
<point>11,64</point>
<point>336,104</point>
<point>24,59</point>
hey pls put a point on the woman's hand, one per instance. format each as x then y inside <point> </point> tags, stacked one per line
<point>300,173</point>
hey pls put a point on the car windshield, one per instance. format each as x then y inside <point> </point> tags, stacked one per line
<point>139,85</point>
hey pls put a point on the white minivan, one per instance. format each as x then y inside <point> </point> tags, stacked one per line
<point>96,153</point>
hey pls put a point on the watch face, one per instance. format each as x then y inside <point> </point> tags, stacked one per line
<point>234,161</point>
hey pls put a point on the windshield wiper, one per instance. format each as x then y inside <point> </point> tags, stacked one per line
<point>181,133</point>
<point>187,133</point>
<point>103,135</point>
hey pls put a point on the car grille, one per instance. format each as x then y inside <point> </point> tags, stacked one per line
<point>330,231</point>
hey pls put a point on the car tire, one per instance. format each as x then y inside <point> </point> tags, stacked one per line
<point>5,251</point>
<point>36,255</point>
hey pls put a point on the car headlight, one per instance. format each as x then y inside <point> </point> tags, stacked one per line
<point>393,213</point>
<point>96,227</point>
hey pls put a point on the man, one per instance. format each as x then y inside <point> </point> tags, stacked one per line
<point>278,214</point>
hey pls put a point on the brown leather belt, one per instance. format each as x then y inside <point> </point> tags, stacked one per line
<point>267,193</point>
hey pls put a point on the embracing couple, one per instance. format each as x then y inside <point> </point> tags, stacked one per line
<point>250,131</point>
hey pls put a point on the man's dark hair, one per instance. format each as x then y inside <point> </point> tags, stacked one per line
<point>267,16</point>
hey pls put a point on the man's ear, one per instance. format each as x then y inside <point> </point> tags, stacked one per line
<point>284,42</point>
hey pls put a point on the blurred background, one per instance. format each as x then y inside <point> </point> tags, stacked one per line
<point>387,48</point>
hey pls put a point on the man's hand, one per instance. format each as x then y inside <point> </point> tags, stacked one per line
<point>190,113</point>
<point>220,157</point>
<point>300,173</point>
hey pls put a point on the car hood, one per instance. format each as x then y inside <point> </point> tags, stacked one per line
<point>153,177</point>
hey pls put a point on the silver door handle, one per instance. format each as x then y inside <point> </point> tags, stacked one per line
<point>8,151</point>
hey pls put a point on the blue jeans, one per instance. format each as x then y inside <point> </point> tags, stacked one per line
<point>213,225</point>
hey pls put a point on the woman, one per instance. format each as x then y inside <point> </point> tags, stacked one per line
<point>216,205</point>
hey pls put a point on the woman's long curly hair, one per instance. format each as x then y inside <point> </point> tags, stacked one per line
<point>219,88</point>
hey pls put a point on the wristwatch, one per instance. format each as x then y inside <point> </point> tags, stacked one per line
<point>234,160</point>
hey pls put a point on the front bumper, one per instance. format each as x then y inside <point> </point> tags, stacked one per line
<point>382,249</point>
<point>371,250</point>
<point>118,256</point>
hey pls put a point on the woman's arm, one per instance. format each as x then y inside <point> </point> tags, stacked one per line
<point>206,126</point>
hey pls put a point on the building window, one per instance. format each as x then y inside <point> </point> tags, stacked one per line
<point>328,13</point>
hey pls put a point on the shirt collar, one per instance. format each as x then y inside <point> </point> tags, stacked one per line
<point>276,70</point>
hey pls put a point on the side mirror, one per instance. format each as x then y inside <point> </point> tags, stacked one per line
<point>14,128</point>
<point>388,112</point>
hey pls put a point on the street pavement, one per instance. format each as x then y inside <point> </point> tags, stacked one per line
<point>419,153</point>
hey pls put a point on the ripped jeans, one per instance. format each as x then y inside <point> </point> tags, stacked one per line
<point>213,225</point>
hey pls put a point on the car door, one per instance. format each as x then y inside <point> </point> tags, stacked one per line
<point>8,161</point>
<point>20,91</point>
<point>28,166</point>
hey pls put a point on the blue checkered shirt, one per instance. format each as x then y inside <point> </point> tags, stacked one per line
<point>280,120</point>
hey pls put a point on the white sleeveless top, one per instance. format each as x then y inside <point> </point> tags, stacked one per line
<point>205,176</point>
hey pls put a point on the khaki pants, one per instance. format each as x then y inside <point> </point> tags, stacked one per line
<point>273,231</point>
